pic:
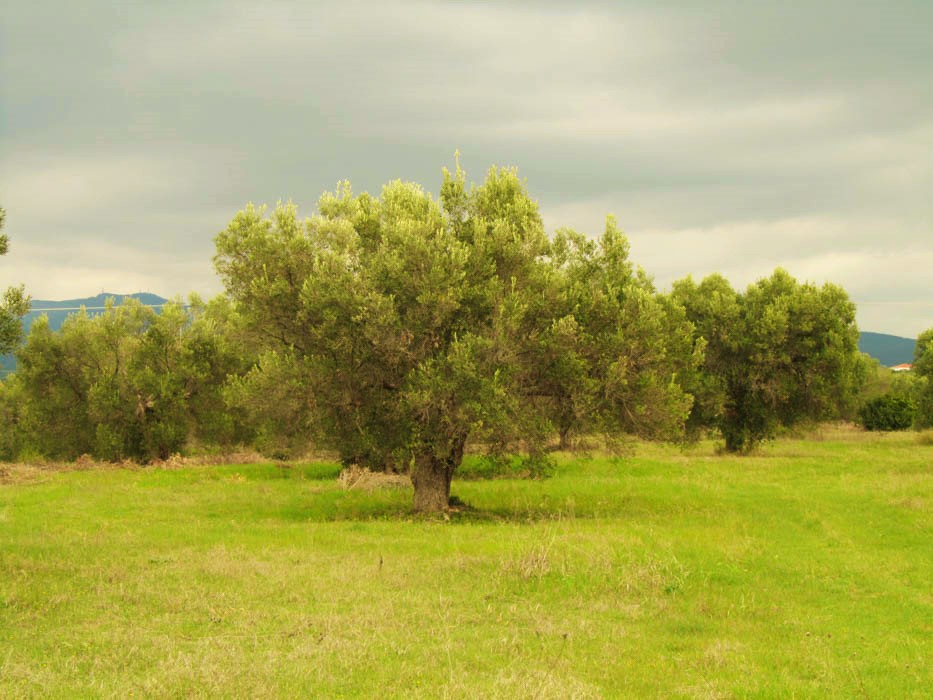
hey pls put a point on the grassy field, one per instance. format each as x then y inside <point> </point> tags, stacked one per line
<point>804,571</point>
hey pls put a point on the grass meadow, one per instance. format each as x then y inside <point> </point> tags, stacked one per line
<point>803,571</point>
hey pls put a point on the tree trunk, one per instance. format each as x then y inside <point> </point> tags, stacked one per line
<point>431,477</point>
<point>564,443</point>
<point>565,421</point>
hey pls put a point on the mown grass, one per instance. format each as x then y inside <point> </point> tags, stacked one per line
<point>803,571</point>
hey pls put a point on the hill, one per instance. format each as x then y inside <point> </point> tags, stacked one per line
<point>889,350</point>
<point>58,311</point>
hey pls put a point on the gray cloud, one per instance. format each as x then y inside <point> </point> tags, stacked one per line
<point>725,136</point>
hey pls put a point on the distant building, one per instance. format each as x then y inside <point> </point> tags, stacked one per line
<point>906,367</point>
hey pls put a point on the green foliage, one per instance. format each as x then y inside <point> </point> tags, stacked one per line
<point>615,356</point>
<point>879,380</point>
<point>779,354</point>
<point>129,383</point>
<point>12,434</point>
<point>276,404</point>
<point>14,304</point>
<point>213,350</point>
<point>882,383</point>
<point>890,412</point>
<point>403,314</point>
<point>405,325</point>
<point>923,369</point>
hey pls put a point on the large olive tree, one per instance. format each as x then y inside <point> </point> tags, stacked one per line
<point>410,324</point>
<point>408,314</point>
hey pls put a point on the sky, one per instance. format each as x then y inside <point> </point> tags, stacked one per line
<point>729,137</point>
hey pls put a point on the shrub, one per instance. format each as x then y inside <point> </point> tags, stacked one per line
<point>888,413</point>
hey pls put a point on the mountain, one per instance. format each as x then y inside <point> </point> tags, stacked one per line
<point>58,311</point>
<point>889,350</point>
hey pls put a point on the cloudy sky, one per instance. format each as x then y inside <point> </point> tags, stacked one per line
<point>725,136</point>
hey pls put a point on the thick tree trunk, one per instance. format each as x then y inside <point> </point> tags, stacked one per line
<point>431,477</point>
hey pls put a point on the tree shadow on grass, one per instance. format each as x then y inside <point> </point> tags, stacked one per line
<point>332,505</point>
<point>317,494</point>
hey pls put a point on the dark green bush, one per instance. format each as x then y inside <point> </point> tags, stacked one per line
<point>888,413</point>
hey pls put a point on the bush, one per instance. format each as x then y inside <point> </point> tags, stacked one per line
<point>888,413</point>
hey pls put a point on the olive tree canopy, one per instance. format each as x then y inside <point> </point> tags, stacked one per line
<point>780,353</point>
<point>417,323</point>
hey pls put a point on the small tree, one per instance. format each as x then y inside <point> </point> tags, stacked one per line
<point>13,435</point>
<point>889,412</point>
<point>14,304</point>
<point>781,353</point>
<point>923,368</point>
<point>274,399</point>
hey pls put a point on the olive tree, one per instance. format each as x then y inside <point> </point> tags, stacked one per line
<point>128,383</point>
<point>615,358</point>
<point>418,323</point>
<point>780,353</point>
<point>408,314</point>
<point>923,367</point>
<point>274,400</point>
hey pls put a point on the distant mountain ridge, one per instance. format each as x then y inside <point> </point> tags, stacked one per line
<point>889,350</point>
<point>100,300</point>
<point>58,311</point>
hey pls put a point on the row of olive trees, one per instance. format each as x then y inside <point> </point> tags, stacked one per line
<point>395,329</point>
<point>128,383</point>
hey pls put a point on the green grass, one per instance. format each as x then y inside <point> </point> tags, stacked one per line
<point>803,571</point>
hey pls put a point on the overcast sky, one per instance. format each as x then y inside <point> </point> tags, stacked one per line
<point>728,137</point>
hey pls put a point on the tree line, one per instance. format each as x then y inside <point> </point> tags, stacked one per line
<point>394,330</point>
